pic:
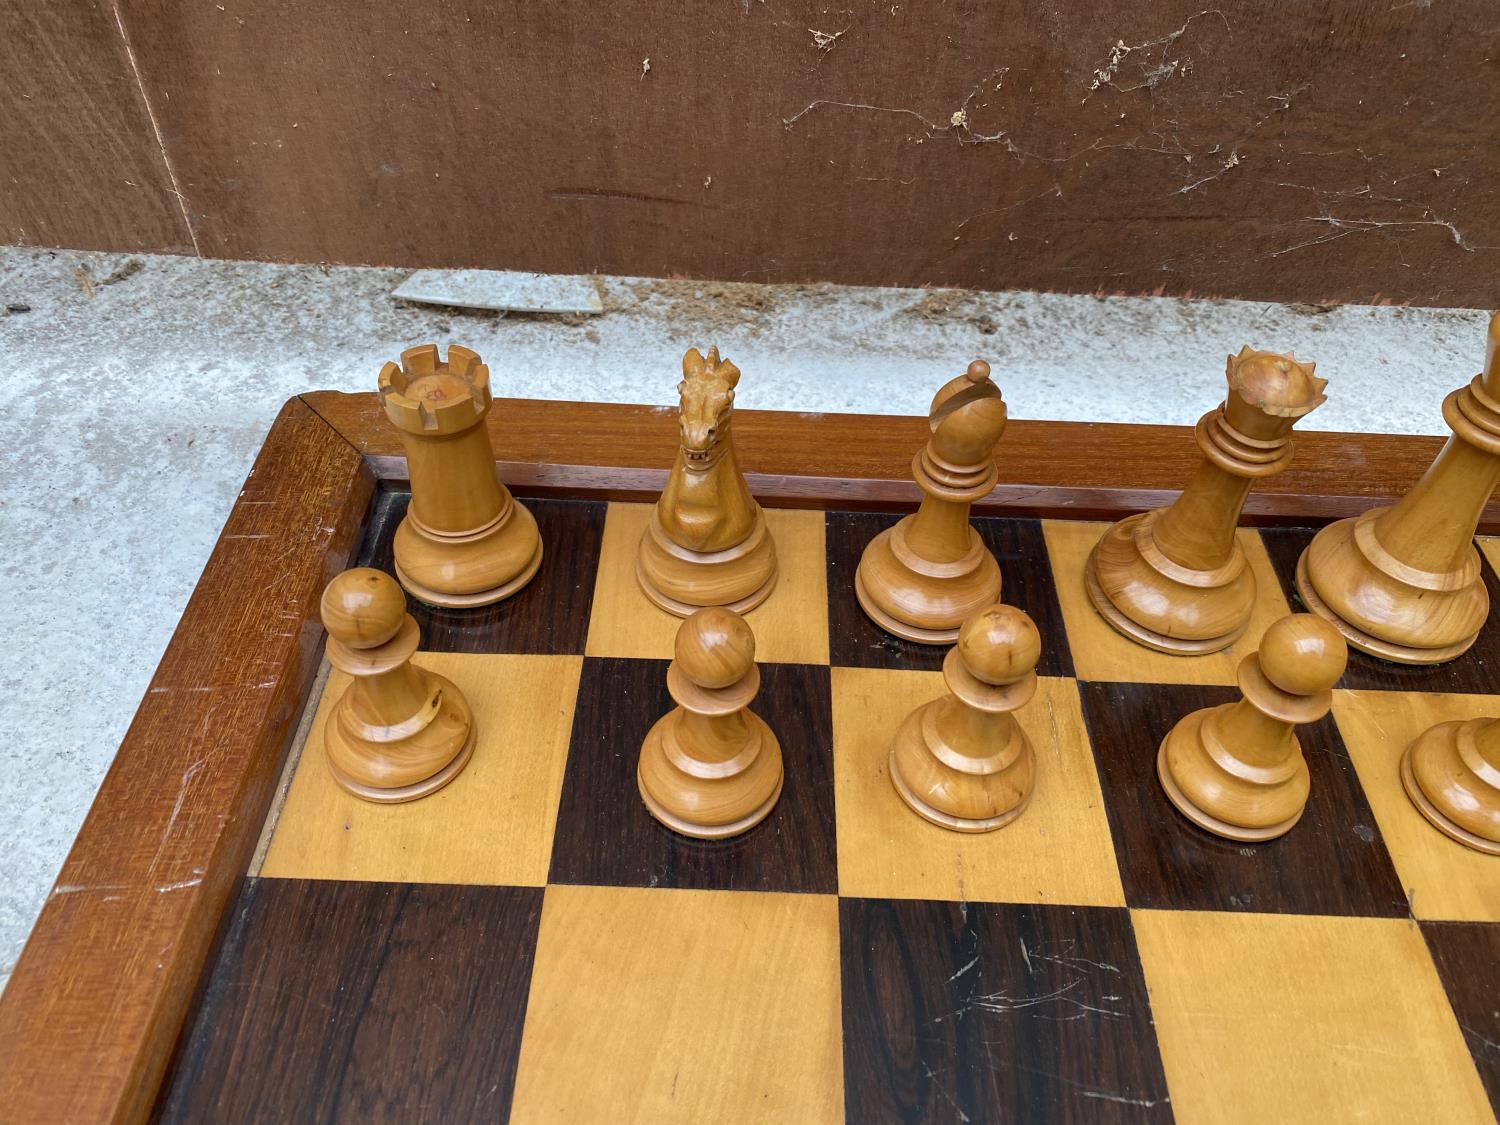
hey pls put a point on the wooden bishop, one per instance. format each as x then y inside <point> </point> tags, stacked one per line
<point>1404,583</point>
<point>925,577</point>
<point>711,767</point>
<point>398,732</point>
<point>1176,579</point>
<point>1237,769</point>
<point>465,541</point>
<point>962,761</point>
<point>1452,774</point>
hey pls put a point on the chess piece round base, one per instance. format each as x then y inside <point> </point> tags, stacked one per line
<point>927,605</point>
<point>1208,821</point>
<point>1367,642</point>
<point>1439,741</point>
<point>1233,599</point>
<point>948,820</point>
<point>753,779</point>
<point>446,740</point>
<point>461,572</point>
<point>682,581</point>
<point>707,832</point>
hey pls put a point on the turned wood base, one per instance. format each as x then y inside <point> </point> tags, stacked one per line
<point>461,572</point>
<point>709,800</point>
<point>444,745</point>
<point>1437,744</point>
<point>707,832</point>
<point>1206,820</point>
<point>682,581</point>
<point>922,601</point>
<point>948,820</point>
<point>1207,610</point>
<point>1335,551</point>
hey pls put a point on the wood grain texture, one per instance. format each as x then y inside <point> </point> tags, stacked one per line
<point>83,165</point>
<point>604,833</point>
<point>1026,582</point>
<point>1474,671</point>
<point>549,615</point>
<point>1248,150</point>
<point>973,1012</point>
<point>1272,1017</point>
<point>854,461</point>
<point>682,1007</point>
<point>1468,963</point>
<point>1333,862</point>
<point>339,1001</point>
<point>109,970</point>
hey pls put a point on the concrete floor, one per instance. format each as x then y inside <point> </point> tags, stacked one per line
<point>141,387</point>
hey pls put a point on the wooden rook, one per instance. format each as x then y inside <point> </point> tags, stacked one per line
<point>1176,579</point>
<point>962,761</point>
<point>1237,769</point>
<point>711,767</point>
<point>398,732</point>
<point>465,541</point>
<point>1404,582</point>
<point>925,577</point>
<point>707,543</point>
<point>1452,774</point>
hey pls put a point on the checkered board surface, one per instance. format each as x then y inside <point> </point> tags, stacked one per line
<point>529,944</point>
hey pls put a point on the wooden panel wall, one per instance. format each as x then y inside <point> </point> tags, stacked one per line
<point>1256,148</point>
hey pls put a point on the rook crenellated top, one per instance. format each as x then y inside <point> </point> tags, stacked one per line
<point>428,395</point>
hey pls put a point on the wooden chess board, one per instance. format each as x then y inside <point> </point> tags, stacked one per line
<point>236,938</point>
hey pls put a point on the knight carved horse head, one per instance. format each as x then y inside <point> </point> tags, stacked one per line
<point>707,392</point>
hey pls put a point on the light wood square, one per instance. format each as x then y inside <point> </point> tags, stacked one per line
<point>491,824</point>
<point>791,626</point>
<point>1058,851</point>
<point>653,1005</point>
<point>1292,1017</point>
<point>1443,879</point>
<point>1102,654</point>
<point>1489,546</point>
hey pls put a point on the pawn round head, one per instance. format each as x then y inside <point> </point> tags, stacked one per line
<point>1303,654</point>
<point>715,648</point>
<point>363,608</point>
<point>999,645</point>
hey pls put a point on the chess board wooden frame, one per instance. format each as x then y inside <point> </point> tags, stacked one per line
<point>97,1001</point>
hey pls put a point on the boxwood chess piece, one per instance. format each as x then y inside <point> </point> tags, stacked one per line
<point>398,732</point>
<point>1452,774</point>
<point>706,543</point>
<point>465,541</point>
<point>1237,769</point>
<point>1176,579</point>
<point>962,761</point>
<point>1404,583</point>
<point>926,576</point>
<point>711,767</point>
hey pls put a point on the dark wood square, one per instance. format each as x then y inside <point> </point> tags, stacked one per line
<point>604,834</point>
<point>1467,956</point>
<point>1333,861</point>
<point>550,615</point>
<point>1026,582</point>
<point>1476,671</point>
<point>336,1001</point>
<point>979,1012</point>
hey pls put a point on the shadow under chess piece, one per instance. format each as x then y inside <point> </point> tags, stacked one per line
<point>711,767</point>
<point>1237,769</point>
<point>1404,583</point>
<point>706,544</point>
<point>398,732</point>
<point>926,576</point>
<point>962,761</point>
<point>465,541</point>
<point>1176,579</point>
<point>1452,774</point>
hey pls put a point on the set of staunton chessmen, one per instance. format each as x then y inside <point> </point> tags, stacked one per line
<point>1401,583</point>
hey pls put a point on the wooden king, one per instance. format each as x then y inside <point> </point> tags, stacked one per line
<point>1176,579</point>
<point>465,541</point>
<point>1404,583</point>
<point>925,577</point>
